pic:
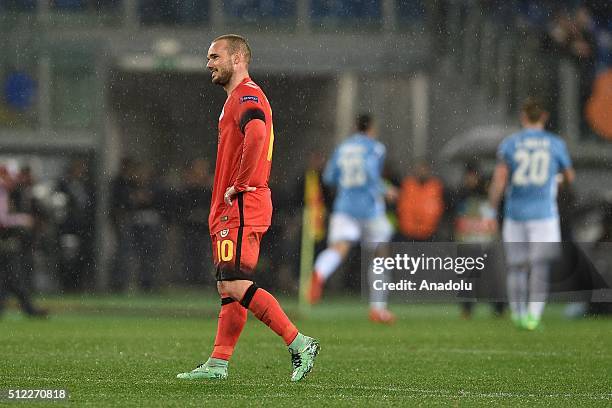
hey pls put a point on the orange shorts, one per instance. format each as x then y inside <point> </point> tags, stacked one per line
<point>236,251</point>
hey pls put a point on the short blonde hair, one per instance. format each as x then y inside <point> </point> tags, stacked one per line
<point>236,44</point>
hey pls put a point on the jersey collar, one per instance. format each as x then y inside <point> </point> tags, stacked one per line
<point>244,81</point>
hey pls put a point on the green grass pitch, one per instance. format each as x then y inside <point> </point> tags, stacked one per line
<point>124,352</point>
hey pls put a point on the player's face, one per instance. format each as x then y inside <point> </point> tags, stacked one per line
<point>220,63</point>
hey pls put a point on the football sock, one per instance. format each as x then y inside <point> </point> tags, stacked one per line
<point>298,343</point>
<point>216,362</point>
<point>267,309</point>
<point>232,319</point>
<point>538,288</point>
<point>327,262</point>
<point>517,290</point>
<point>378,298</point>
<point>378,305</point>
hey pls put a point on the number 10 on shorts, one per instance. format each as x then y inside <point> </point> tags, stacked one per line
<point>225,250</point>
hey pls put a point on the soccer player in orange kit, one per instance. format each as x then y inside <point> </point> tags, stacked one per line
<point>241,211</point>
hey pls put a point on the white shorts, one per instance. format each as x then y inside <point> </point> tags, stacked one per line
<point>530,241</point>
<point>343,227</point>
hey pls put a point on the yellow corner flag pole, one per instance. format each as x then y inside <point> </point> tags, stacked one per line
<point>313,230</point>
<point>306,258</point>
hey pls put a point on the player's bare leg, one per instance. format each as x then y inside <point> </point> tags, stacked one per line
<point>325,265</point>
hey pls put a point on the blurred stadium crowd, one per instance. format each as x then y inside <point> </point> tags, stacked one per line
<point>159,231</point>
<point>157,227</point>
<point>576,31</point>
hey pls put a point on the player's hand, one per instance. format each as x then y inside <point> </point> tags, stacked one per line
<point>231,192</point>
<point>391,194</point>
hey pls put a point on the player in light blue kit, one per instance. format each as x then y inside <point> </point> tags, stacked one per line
<point>529,165</point>
<point>355,169</point>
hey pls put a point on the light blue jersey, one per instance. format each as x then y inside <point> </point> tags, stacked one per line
<point>534,158</point>
<point>355,169</point>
